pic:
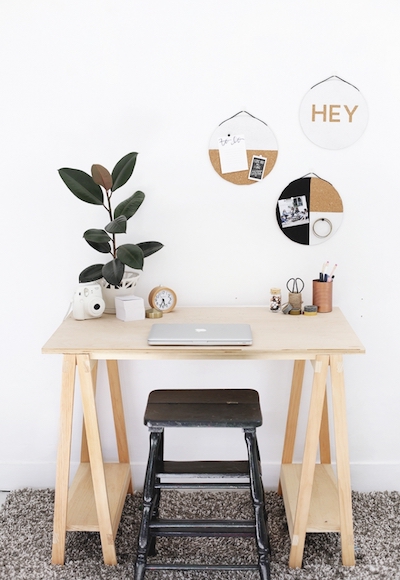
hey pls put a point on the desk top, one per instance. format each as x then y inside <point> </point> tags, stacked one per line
<point>275,336</point>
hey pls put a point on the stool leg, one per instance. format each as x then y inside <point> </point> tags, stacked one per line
<point>160,459</point>
<point>157,495</point>
<point>262,494</point>
<point>148,505</point>
<point>257,495</point>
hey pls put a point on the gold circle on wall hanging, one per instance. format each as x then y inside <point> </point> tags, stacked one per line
<point>309,210</point>
<point>243,149</point>
<point>333,114</point>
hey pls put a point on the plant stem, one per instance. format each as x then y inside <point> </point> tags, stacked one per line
<point>109,209</point>
<point>114,253</point>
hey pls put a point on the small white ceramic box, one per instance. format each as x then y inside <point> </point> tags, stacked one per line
<point>128,308</point>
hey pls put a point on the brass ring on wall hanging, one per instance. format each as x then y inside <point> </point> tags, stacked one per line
<point>329,224</point>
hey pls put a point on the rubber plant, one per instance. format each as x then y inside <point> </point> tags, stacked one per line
<point>98,189</point>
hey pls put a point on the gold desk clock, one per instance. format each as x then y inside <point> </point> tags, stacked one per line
<point>162,298</point>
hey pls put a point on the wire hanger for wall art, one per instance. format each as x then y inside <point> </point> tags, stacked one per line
<point>309,210</point>
<point>333,114</point>
<point>243,149</point>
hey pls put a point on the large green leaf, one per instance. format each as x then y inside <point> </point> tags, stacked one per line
<point>149,248</point>
<point>101,176</point>
<point>131,255</point>
<point>91,273</point>
<point>129,207</point>
<point>117,226</point>
<point>82,185</point>
<point>123,170</point>
<point>103,247</point>
<point>113,272</point>
<point>95,235</point>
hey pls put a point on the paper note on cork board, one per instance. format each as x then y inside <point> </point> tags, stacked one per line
<point>232,153</point>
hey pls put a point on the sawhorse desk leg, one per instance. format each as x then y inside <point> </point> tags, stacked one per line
<point>297,481</point>
<point>70,509</point>
<point>63,459</point>
<point>342,461</point>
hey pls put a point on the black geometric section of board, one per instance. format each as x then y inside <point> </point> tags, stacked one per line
<point>309,211</point>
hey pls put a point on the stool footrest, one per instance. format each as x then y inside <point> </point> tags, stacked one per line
<point>202,486</point>
<point>222,567</point>
<point>205,469</point>
<point>202,527</point>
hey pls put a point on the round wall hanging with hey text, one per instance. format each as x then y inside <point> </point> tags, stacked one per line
<point>243,149</point>
<point>333,114</point>
<point>309,211</point>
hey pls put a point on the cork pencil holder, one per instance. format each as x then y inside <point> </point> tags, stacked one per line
<point>295,300</point>
<point>322,295</point>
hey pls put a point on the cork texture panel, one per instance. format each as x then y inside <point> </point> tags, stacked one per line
<point>324,197</point>
<point>241,177</point>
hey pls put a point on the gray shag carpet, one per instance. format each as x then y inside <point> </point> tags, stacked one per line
<point>26,521</point>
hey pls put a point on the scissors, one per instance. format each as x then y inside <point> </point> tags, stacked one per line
<point>297,285</point>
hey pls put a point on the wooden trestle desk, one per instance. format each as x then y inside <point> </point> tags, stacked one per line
<point>316,499</point>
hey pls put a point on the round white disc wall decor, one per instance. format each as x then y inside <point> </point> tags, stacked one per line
<point>243,149</point>
<point>309,211</point>
<point>333,114</point>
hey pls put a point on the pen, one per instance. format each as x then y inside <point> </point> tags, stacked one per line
<point>322,275</point>
<point>331,276</point>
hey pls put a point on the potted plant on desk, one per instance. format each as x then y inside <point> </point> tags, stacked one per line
<point>98,189</point>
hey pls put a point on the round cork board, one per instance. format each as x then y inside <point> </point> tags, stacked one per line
<point>333,114</point>
<point>257,149</point>
<point>309,211</point>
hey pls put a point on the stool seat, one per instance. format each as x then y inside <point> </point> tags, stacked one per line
<point>233,408</point>
<point>205,408</point>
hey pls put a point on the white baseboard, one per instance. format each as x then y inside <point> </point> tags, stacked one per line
<point>364,476</point>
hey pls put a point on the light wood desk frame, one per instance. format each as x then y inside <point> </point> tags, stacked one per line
<point>316,499</point>
<point>95,500</point>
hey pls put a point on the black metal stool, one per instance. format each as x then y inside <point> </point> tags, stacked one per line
<point>238,408</point>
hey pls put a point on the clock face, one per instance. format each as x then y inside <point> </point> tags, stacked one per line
<point>164,299</point>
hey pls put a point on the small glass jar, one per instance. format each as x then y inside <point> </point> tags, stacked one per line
<point>275,300</point>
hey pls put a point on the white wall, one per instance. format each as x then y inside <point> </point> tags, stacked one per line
<point>88,81</point>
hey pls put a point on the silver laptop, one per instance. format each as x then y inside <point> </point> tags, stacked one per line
<point>200,334</point>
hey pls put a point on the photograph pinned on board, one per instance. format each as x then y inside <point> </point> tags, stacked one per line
<point>257,168</point>
<point>293,211</point>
